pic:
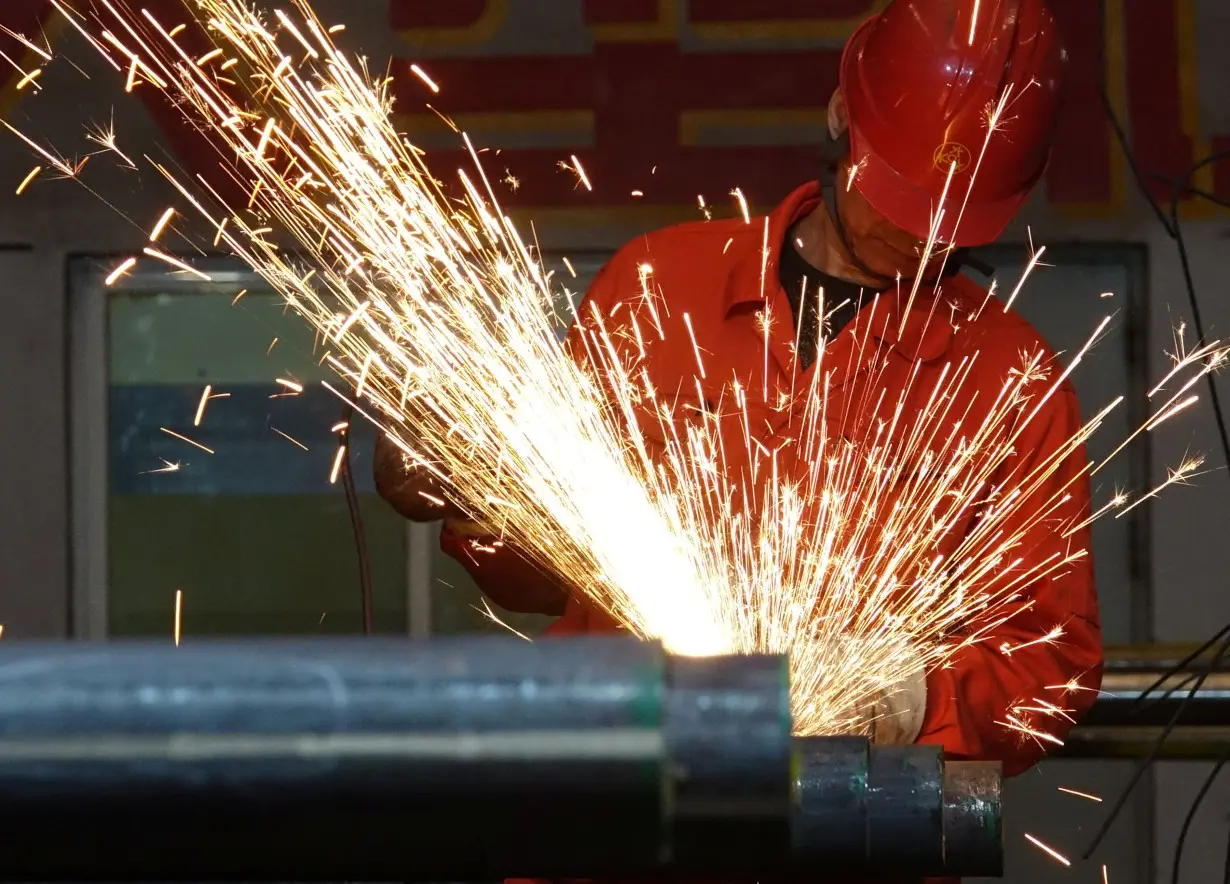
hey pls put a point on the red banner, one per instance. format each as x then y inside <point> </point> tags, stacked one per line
<point>736,114</point>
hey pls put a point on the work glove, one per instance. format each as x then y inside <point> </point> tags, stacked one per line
<point>892,715</point>
<point>895,715</point>
<point>416,492</point>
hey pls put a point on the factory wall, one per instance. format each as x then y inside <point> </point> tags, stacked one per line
<point>269,534</point>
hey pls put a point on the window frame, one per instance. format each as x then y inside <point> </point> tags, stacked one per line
<point>89,465</point>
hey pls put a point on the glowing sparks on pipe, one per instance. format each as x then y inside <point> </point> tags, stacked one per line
<point>1050,851</point>
<point>123,267</point>
<point>183,438</point>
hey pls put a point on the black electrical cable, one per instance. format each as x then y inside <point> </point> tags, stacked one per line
<point>1174,229</point>
<point>1180,666</point>
<point>1191,814</point>
<point>1169,221</point>
<point>1225,878</point>
<point>356,518</point>
<point>1147,762</point>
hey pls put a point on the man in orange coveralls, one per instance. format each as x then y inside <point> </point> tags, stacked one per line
<point>918,84</point>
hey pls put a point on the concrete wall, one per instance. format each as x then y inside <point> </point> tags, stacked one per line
<point>54,220</point>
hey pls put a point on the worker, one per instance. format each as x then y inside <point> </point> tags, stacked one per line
<point>920,84</point>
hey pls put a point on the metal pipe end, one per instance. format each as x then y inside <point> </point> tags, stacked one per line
<point>973,816</point>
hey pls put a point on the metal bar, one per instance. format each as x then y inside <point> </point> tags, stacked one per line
<point>376,759</point>
<point>348,760</point>
<point>1130,713</point>
<point>469,759</point>
<point>895,811</point>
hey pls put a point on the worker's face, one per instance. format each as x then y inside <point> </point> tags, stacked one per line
<point>879,244</point>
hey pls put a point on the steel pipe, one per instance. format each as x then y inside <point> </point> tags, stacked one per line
<point>464,759</point>
<point>895,811</point>
<point>371,760</point>
<point>1142,691</point>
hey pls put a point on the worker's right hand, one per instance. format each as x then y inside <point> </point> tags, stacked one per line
<point>410,489</point>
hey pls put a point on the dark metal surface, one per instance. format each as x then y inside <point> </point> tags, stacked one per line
<point>830,817</point>
<point>973,823</point>
<point>468,759</point>
<point>898,811</point>
<point>905,802</point>
<point>346,760</point>
<point>728,735</point>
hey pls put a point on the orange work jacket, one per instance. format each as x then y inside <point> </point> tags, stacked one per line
<point>723,276</point>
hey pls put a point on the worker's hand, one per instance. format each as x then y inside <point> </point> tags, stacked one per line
<point>412,490</point>
<point>895,715</point>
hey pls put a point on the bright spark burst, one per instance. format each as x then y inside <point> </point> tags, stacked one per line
<point>838,546</point>
<point>183,438</point>
<point>1049,851</point>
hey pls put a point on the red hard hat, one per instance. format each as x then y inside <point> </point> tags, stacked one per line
<point>921,80</point>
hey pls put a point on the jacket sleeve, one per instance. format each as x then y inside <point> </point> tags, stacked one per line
<point>1011,673</point>
<point>503,574</point>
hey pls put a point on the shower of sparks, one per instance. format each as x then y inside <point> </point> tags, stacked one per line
<point>1050,851</point>
<point>579,171</point>
<point>742,201</point>
<point>422,75</point>
<point>25,182</point>
<point>1085,795</point>
<point>161,225</point>
<point>167,467</point>
<point>200,406</point>
<point>179,615</point>
<point>183,438</point>
<point>835,539</point>
<point>176,263</point>
<point>290,438</point>
<point>486,611</point>
<point>336,469</point>
<point>124,266</point>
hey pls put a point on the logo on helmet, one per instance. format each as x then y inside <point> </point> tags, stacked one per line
<point>950,154</point>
